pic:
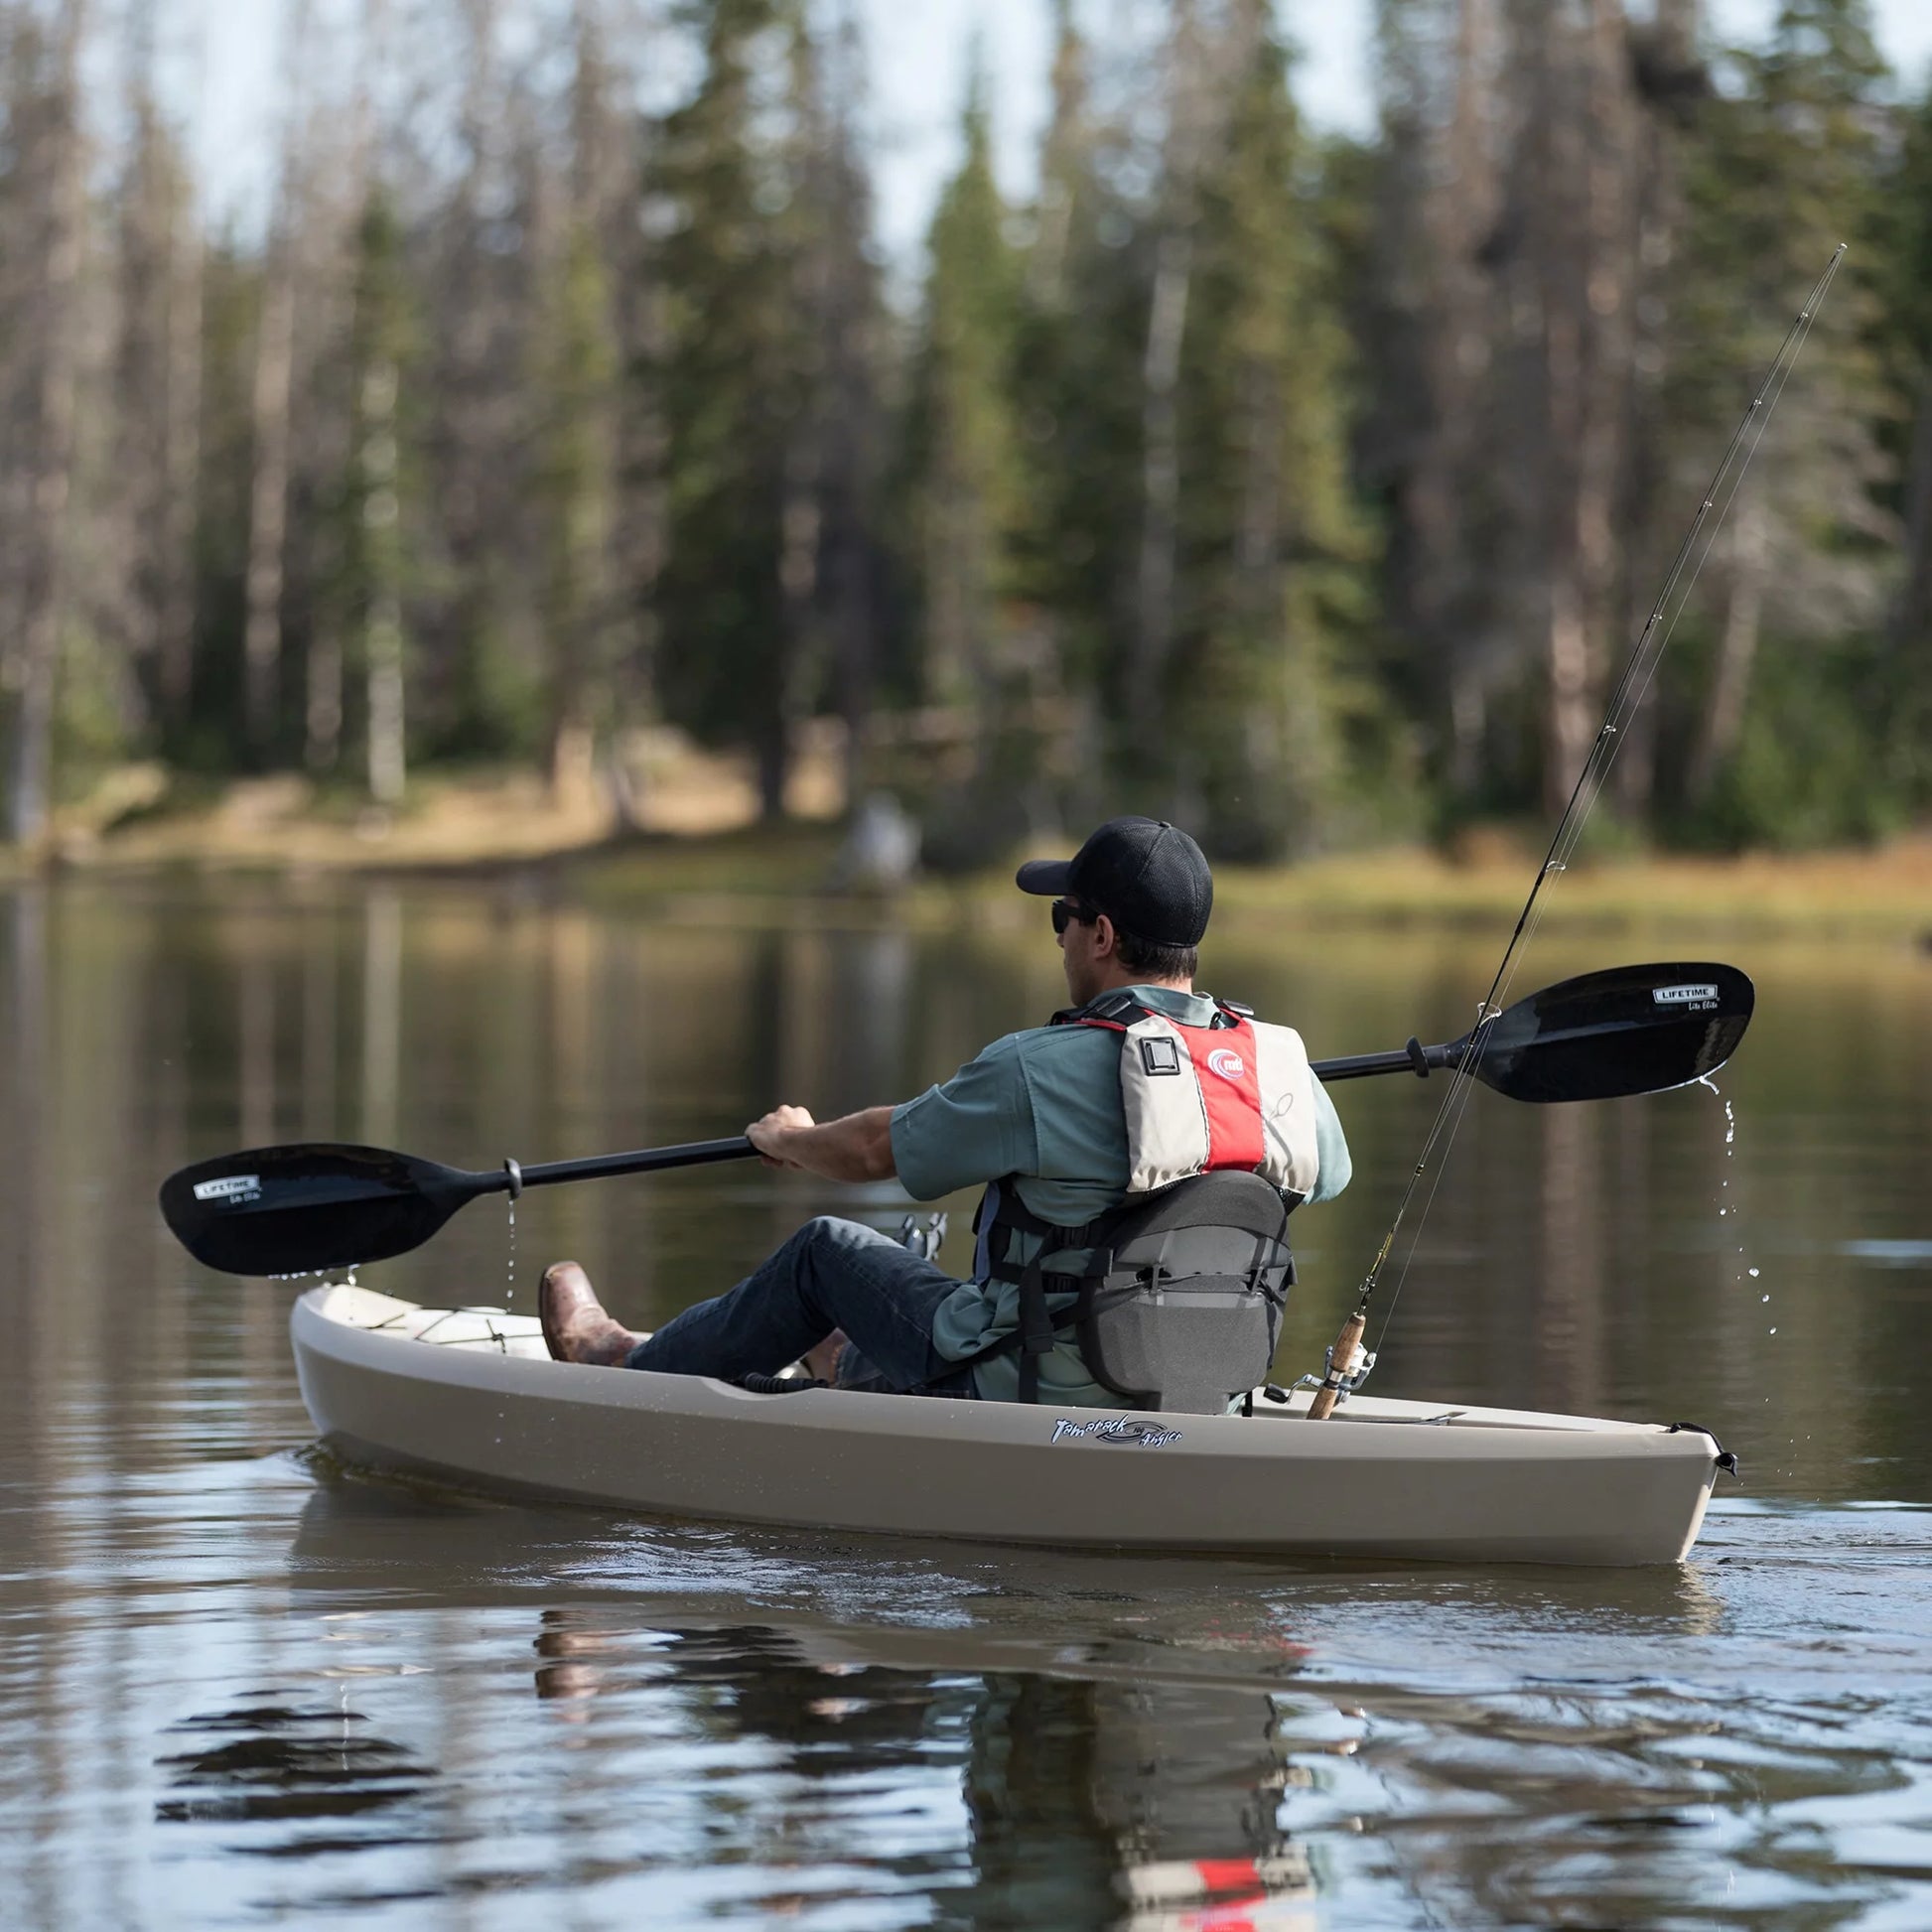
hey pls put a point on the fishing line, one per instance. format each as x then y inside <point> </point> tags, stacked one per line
<point>1626,698</point>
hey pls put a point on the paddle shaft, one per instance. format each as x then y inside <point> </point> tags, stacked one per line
<point>1413,1059</point>
<point>646,1160</point>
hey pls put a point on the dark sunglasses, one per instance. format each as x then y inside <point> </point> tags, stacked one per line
<point>1064,915</point>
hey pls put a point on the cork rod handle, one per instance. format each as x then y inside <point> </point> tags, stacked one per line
<point>1342,1355</point>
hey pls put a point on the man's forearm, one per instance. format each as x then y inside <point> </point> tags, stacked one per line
<point>858,1147</point>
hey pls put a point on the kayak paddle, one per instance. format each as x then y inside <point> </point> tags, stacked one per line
<point>1601,1036</point>
<point>298,1211</point>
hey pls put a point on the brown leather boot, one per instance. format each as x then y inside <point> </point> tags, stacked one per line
<point>575,1326</point>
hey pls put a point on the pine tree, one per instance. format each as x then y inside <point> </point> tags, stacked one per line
<point>1270,540</point>
<point>1905,681</point>
<point>45,216</point>
<point>1078,346</point>
<point>376,498</point>
<point>575,490</point>
<point>963,432</point>
<point>731,397</point>
<point>1775,739</point>
<point>155,197</point>
<point>839,438</point>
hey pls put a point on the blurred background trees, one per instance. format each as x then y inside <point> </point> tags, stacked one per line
<point>1307,490</point>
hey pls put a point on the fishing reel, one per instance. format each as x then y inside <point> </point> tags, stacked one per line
<point>1361,1361</point>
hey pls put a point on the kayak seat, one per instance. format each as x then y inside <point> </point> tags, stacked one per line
<point>1180,1304</point>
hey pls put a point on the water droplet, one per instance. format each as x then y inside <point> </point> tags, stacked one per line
<point>1773,1331</point>
<point>1761,1298</point>
<point>1753,1273</point>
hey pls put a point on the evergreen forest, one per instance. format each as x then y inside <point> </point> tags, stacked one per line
<point>1308,490</point>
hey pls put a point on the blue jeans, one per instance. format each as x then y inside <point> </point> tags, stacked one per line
<point>831,1273</point>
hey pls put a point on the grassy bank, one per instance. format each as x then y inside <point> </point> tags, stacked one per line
<point>758,874</point>
<point>1880,896</point>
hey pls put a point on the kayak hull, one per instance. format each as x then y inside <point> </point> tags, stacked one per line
<point>470,1397</point>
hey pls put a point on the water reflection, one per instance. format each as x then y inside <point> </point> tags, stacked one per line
<point>276,1763</point>
<point>211,1651</point>
<point>1045,1739</point>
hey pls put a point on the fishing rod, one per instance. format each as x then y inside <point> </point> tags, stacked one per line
<point>1347,1365</point>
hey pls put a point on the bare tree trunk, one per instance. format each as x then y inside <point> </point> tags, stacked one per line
<point>1166,325</point>
<point>1562,264</point>
<point>383,640</point>
<point>269,501</point>
<point>1669,56</point>
<point>273,392</point>
<point>146,191</point>
<point>1724,716</point>
<point>57,184</point>
<point>798,588</point>
<point>1573,198</point>
<point>1605,307</point>
<point>1160,478</point>
<point>322,709</point>
<point>848,410</point>
<point>1454,219</point>
<point>175,624</point>
<point>383,637</point>
<point>1912,611</point>
<point>323,697</point>
<point>638,523</point>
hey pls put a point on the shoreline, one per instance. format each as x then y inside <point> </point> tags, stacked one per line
<point>761,876</point>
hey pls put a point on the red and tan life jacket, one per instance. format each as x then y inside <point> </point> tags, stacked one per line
<point>1236,1093</point>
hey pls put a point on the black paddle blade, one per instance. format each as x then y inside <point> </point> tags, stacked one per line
<point>297,1210</point>
<point>1630,1029</point>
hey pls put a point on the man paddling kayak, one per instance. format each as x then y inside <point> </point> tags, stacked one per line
<point>1119,1148</point>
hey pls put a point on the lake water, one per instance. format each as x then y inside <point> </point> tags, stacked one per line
<point>238,1687</point>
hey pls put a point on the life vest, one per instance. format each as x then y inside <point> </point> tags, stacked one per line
<point>1235,1093</point>
<point>1179,1307</point>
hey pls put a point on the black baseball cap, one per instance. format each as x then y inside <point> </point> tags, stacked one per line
<point>1147,876</point>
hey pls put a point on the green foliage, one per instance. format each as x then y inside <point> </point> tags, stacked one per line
<point>574,485</point>
<point>1804,773</point>
<point>1216,479</point>
<point>730,382</point>
<point>1273,541</point>
<point>962,437</point>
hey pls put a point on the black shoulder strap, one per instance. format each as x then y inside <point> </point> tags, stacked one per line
<point>1118,1007</point>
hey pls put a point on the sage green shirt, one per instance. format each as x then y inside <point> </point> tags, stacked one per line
<point>1045,1106</point>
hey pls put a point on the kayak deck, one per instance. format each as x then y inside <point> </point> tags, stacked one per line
<point>470,1395</point>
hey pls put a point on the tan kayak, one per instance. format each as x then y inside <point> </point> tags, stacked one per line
<point>470,1397</point>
